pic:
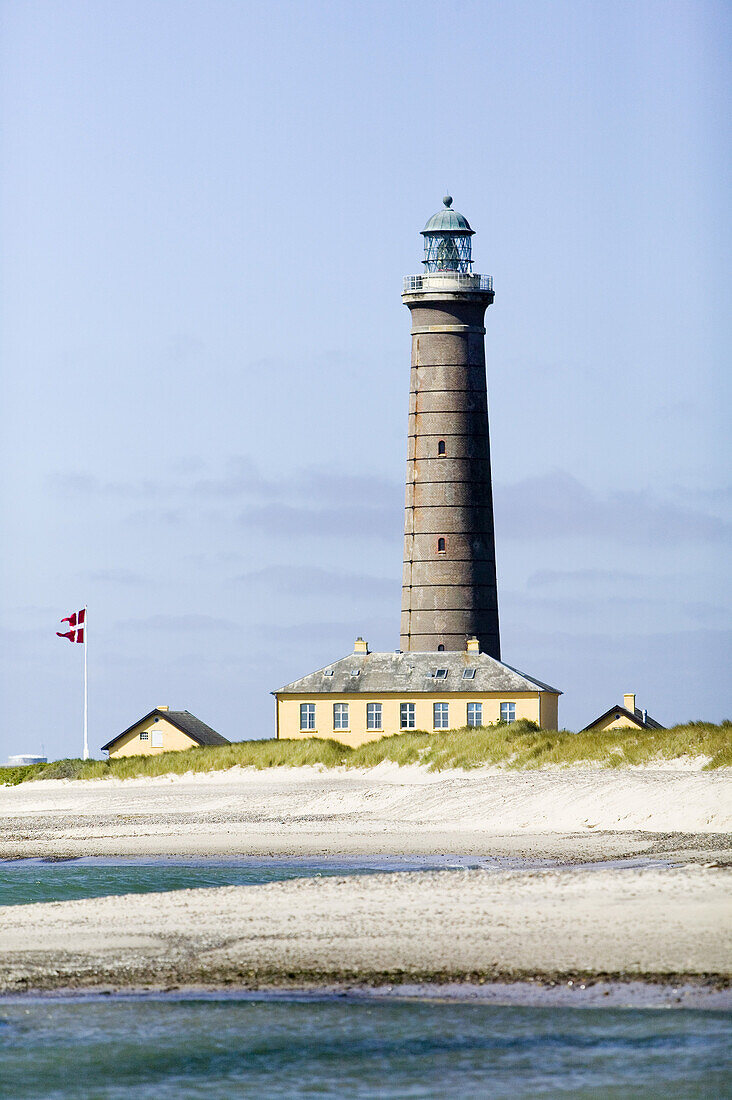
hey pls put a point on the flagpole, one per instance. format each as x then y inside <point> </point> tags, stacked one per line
<point>86,685</point>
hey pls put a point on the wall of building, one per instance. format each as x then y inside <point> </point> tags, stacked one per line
<point>548,710</point>
<point>613,723</point>
<point>529,705</point>
<point>131,745</point>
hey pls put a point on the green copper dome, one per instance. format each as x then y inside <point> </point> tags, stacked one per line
<point>448,221</point>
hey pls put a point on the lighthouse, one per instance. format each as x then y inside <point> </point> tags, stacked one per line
<point>448,671</point>
<point>449,589</point>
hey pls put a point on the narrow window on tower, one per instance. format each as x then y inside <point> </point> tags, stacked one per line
<point>440,648</point>
<point>441,546</point>
<point>441,451</point>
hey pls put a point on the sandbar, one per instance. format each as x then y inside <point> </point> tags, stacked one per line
<point>578,919</point>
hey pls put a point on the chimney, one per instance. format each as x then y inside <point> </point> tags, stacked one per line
<point>473,645</point>
<point>360,646</point>
<point>162,708</point>
<point>629,703</point>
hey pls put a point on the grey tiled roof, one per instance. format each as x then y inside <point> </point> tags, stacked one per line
<point>195,728</point>
<point>185,721</point>
<point>370,673</point>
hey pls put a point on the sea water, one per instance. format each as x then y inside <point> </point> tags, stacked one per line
<point>24,881</point>
<point>221,1046</point>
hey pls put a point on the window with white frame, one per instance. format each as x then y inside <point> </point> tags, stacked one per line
<point>475,714</point>
<point>307,716</point>
<point>340,716</point>
<point>406,716</point>
<point>157,739</point>
<point>373,716</point>
<point>144,735</point>
<point>508,712</point>
<point>439,715</point>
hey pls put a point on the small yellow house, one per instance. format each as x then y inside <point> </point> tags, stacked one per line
<point>163,730</point>
<point>626,717</point>
<point>366,696</point>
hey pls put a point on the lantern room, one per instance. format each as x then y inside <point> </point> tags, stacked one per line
<point>447,245</point>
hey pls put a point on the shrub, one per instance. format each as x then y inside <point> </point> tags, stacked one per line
<point>518,745</point>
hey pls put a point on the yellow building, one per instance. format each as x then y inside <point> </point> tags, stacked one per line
<point>626,717</point>
<point>163,730</point>
<point>366,696</point>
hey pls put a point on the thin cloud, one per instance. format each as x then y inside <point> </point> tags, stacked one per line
<point>178,623</point>
<point>346,522</point>
<point>115,576</point>
<point>240,479</point>
<point>293,580</point>
<point>557,505</point>
<point>549,578</point>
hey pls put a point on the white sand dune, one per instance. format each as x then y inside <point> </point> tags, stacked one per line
<point>383,809</point>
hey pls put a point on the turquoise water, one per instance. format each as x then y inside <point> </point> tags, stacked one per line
<point>24,881</point>
<point>230,1046</point>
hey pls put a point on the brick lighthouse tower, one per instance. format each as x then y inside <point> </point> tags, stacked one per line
<point>449,587</point>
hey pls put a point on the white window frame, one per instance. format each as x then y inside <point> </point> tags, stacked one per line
<point>156,741</point>
<point>340,716</point>
<point>510,712</point>
<point>407,716</point>
<point>374,716</point>
<point>475,710</point>
<point>441,711</point>
<point>307,717</point>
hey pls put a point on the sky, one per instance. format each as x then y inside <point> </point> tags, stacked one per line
<point>206,210</point>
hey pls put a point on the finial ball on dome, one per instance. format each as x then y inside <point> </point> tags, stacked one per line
<point>447,200</point>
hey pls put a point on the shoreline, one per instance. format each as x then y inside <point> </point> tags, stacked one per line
<point>553,924</point>
<point>569,849</point>
<point>533,992</point>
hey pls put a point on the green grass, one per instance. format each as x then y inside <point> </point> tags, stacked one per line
<point>519,745</point>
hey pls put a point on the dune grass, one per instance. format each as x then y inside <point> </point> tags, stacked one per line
<point>518,745</point>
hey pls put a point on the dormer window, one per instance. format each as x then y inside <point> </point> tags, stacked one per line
<point>355,672</point>
<point>441,449</point>
<point>440,674</point>
<point>468,674</point>
<point>328,672</point>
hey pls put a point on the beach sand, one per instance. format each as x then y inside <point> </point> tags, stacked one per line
<point>662,923</point>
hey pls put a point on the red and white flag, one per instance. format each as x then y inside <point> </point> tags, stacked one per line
<point>76,623</point>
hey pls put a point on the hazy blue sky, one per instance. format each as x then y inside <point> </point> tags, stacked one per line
<point>207,211</point>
